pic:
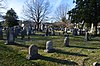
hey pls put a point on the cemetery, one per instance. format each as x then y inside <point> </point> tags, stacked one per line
<point>72,40</point>
<point>67,50</point>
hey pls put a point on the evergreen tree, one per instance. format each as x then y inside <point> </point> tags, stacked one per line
<point>11,18</point>
<point>87,11</point>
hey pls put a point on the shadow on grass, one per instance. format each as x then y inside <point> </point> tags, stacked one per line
<point>20,45</point>
<point>5,48</point>
<point>95,39</point>
<point>69,53</point>
<point>26,46</point>
<point>67,62</point>
<point>84,47</point>
<point>41,48</point>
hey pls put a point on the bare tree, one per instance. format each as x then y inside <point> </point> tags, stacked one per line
<point>37,11</point>
<point>61,12</point>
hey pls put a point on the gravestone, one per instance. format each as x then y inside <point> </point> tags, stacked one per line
<point>17,31</point>
<point>33,53</point>
<point>47,32</point>
<point>96,64</point>
<point>66,30</point>
<point>49,47</point>
<point>42,27</point>
<point>75,32</point>
<point>66,41</point>
<point>33,31</point>
<point>1,33</point>
<point>87,37</point>
<point>52,32</point>
<point>23,33</point>
<point>29,32</point>
<point>10,36</point>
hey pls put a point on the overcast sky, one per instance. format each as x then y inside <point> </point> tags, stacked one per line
<point>17,5</point>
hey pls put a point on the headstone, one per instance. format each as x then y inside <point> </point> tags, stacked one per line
<point>80,32</point>
<point>17,31</point>
<point>75,32</point>
<point>87,37</point>
<point>65,30</point>
<point>66,41</point>
<point>33,52</point>
<point>42,27</point>
<point>10,36</point>
<point>96,64</point>
<point>49,47</point>
<point>47,32</point>
<point>33,31</point>
<point>29,32</point>
<point>52,32</point>
<point>23,32</point>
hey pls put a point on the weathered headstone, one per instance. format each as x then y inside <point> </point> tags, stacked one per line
<point>75,32</point>
<point>87,37</point>
<point>23,33</point>
<point>65,30</point>
<point>42,27</point>
<point>17,31</point>
<point>29,32</point>
<point>52,32</point>
<point>33,53</point>
<point>66,41</point>
<point>47,32</point>
<point>96,64</point>
<point>33,31</point>
<point>49,47</point>
<point>10,36</point>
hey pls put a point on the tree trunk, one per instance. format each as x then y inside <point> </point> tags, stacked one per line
<point>38,27</point>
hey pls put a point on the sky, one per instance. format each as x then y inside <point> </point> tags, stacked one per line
<point>17,5</point>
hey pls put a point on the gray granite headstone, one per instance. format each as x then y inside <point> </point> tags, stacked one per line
<point>66,41</point>
<point>75,32</point>
<point>87,37</point>
<point>47,32</point>
<point>96,64</point>
<point>52,32</point>
<point>10,36</point>
<point>33,52</point>
<point>65,30</point>
<point>49,47</point>
<point>23,33</point>
<point>17,31</point>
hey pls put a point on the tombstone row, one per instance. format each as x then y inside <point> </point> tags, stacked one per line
<point>33,49</point>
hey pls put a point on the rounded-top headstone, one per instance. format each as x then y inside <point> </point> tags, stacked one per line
<point>33,49</point>
<point>49,46</point>
<point>66,41</point>
<point>33,52</point>
<point>95,64</point>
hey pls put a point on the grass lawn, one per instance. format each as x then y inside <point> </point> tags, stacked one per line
<point>79,53</point>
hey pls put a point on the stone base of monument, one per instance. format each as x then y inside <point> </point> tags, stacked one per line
<point>34,57</point>
<point>49,51</point>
